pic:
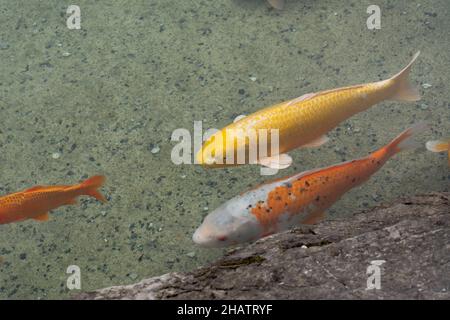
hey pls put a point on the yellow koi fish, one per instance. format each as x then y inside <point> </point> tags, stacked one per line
<point>299,199</point>
<point>301,122</point>
<point>439,146</point>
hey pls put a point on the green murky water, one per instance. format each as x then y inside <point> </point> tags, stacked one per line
<point>107,98</point>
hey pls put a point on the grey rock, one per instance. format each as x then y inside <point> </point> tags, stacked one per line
<point>191,254</point>
<point>412,235</point>
<point>3,45</point>
<point>133,276</point>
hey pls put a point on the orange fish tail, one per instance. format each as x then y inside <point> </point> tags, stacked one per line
<point>405,140</point>
<point>91,185</point>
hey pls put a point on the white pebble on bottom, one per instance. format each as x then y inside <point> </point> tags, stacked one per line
<point>56,155</point>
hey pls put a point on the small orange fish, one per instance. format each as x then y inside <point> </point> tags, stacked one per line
<point>440,146</point>
<point>299,199</point>
<point>36,202</point>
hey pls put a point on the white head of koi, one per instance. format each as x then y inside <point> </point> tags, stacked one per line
<point>231,223</point>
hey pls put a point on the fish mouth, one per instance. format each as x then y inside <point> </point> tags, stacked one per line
<point>203,237</point>
<point>200,238</point>
<point>196,237</point>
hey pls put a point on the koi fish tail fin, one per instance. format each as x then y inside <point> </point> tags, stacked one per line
<point>91,185</point>
<point>405,141</point>
<point>438,145</point>
<point>404,91</point>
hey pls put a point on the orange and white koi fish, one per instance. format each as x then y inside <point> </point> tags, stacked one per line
<point>440,146</point>
<point>300,199</point>
<point>301,122</point>
<point>36,202</point>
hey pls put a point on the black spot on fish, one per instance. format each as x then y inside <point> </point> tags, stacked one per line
<point>288,184</point>
<point>307,183</point>
<point>278,198</point>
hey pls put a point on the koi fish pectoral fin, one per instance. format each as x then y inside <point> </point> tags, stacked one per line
<point>281,161</point>
<point>314,218</point>
<point>42,217</point>
<point>317,142</point>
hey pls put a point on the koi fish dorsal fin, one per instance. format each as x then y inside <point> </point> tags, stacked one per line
<point>277,4</point>
<point>325,92</point>
<point>304,97</point>
<point>35,188</point>
<point>240,117</point>
<point>42,217</point>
